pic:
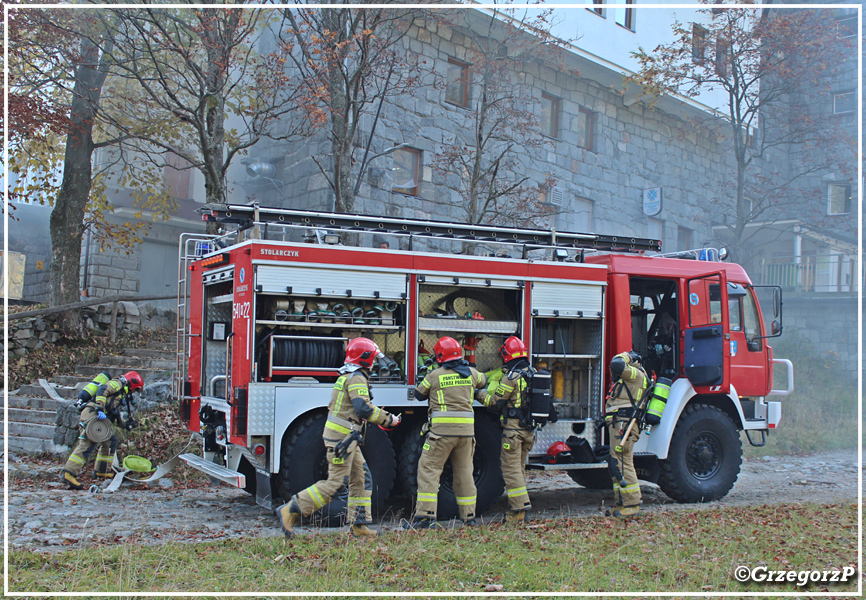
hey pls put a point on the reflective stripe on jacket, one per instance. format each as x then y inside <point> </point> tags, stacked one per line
<point>450,397</point>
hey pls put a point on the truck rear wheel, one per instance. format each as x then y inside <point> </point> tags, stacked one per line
<point>487,471</point>
<point>704,459</point>
<point>303,463</point>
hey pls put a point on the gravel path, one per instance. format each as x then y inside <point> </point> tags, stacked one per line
<point>45,516</point>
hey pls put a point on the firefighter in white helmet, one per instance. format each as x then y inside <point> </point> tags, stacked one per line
<point>105,406</point>
<point>628,384</point>
<point>350,409</point>
<point>450,391</point>
<point>508,397</point>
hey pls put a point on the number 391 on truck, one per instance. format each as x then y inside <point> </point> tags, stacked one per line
<point>265,310</point>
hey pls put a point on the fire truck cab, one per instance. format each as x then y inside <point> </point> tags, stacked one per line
<point>262,326</point>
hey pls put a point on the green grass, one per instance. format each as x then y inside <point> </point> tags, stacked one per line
<point>676,551</point>
<point>821,413</point>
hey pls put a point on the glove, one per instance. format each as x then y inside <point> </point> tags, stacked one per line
<point>130,425</point>
<point>634,357</point>
<point>79,404</point>
<point>101,416</point>
<point>395,420</point>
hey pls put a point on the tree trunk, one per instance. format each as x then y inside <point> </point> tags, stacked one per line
<point>67,218</point>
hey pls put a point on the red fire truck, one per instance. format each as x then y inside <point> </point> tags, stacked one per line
<point>263,321</point>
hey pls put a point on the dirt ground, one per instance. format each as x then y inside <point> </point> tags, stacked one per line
<point>45,516</point>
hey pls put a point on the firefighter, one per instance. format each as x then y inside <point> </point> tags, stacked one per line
<point>88,392</point>
<point>104,406</point>
<point>629,382</point>
<point>450,433</point>
<point>508,397</point>
<point>350,409</point>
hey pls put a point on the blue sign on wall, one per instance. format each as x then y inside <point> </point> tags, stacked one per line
<point>652,201</point>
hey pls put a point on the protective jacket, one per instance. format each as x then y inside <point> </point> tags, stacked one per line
<point>351,403</point>
<point>629,378</point>
<point>450,391</point>
<point>508,396</point>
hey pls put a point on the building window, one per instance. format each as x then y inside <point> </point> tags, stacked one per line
<point>177,177</point>
<point>584,124</point>
<point>582,211</point>
<point>839,199</point>
<point>624,14</point>
<point>699,43</point>
<point>457,86</point>
<point>550,115</point>
<point>723,49</point>
<point>596,7</point>
<point>407,171</point>
<point>684,239</point>
<point>846,27</point>
<point>844,103</point>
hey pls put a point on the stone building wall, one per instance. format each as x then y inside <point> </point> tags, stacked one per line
<point>827,324</point>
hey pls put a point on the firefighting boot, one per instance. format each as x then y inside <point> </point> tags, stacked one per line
<point>470,522</point>
<point>623,511</point>
<point>361,530</point>
<point>515,516</point>
<point>419,523</point>
<point>102,470</point>
<point>70,480</point>
<point>289,514</point>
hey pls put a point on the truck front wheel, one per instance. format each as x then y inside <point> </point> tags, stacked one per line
<point>303,463</point>
<point>704,459</point>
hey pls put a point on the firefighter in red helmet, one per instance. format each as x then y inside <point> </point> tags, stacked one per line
<point>508,397</point>
<point>351,408</point>
<point>450,433</point>
<point>629,383</point>
<point>104,406</point>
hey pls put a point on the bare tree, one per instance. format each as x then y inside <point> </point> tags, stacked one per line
<point>203,92</point>
<point>760,60</point>
<point>505,134</point>
<point>348,61</point>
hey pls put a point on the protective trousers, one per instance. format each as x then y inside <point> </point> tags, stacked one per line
<point>84,448</point>
<point>350,470</point>
<point>516,444</point>
<point>434,454</point>
<point>627,497</point>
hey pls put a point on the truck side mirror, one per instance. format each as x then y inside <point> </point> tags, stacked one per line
<point>777,302</point>
<point>775,328</point>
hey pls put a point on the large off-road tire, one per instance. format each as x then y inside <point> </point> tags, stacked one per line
<point>303,463</point>
<point>704,457</point>
<point>486,471</point>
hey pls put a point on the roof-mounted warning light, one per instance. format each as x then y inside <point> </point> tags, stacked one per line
<point>215,261</point>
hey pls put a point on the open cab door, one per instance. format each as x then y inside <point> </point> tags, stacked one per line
<point>706,357</point>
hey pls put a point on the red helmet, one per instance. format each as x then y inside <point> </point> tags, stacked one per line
<point>559,452</point>
<point>446,349</point>
<point>513,348</point>
<point>362,352</point>
<point>133,380</point>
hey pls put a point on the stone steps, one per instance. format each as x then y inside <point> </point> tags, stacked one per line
<point>30,402</point>
<point>20,443</point>
<point>70,380</point>
<point>37,391</point>
<point>135,363</point>
<point>34,430</point>
<point>147,374</point>
<point>31,415</point>
<point>150,353</point>
<point>170,346</point>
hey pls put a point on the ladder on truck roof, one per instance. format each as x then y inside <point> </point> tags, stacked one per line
<point>247,215</point>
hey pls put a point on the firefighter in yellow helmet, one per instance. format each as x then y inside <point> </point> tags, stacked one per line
<point>104,406</point>
<point>508,397</point>
<point>451,422</point>
<point>628,384</point>
<point>349,411</point>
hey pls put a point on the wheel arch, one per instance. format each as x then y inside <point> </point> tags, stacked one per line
<point>682,395</point>
<point>279,439</point>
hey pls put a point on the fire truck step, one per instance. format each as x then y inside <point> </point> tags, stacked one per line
<point>565,466</point>
<point>214,470</point>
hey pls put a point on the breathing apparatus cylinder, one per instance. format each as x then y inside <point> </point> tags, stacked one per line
<point>557,383</point>
<point>660,392</point>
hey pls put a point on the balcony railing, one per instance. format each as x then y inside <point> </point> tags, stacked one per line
<point>823,274</point>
